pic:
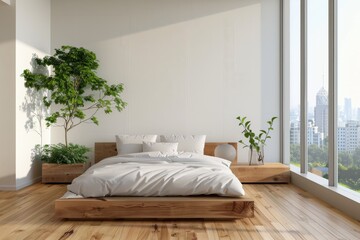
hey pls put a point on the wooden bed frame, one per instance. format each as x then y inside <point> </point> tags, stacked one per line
<point>213,207</point>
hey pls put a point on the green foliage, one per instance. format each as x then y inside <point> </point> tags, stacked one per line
<point>62,154</point>
<point>255,141</point>
<point>349,163</point>
<point>350,177</point>
<point>318,156</point>
<point>295,154</point>
<point>77,93</point>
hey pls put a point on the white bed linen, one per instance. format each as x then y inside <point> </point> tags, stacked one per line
<point>156,174</point>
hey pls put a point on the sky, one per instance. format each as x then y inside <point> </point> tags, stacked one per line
<point>348,50</point>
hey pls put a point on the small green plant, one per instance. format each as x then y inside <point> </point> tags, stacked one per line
<point>255,141</point>
<point>62,154</point>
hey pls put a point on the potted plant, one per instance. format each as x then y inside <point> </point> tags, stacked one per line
<point>255,142</point>
<point>75,96</point>
<point>61,163</point>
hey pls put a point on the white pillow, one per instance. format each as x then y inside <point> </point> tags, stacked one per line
<point>126,144</point>
<point>187,143</point>
<point>156,154</point>
<point>162,147</point>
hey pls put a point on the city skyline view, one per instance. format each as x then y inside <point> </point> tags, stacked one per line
<point>348,142</point>
<point>346,112</point>
<point>348,98</point>
<point>319,114</point>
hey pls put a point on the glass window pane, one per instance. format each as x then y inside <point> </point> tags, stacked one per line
<point>317,67</point>
<point>348,94</point>
<point>294,65</point>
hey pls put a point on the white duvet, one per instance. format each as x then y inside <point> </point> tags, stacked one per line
<point>155,174</point>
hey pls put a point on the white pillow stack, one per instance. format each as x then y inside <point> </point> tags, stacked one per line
<point>126,144</point>
<point>166,148</point>
<point>187,143</point>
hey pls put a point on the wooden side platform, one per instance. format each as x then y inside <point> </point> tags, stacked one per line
<point>267,173</point>
<point>155,207</point>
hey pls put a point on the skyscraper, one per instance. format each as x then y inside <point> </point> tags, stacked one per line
<point>295,132</point>
<point>321,111</point>
<point>348,137</point>
<point>347,109</point>
<point>314,137</point>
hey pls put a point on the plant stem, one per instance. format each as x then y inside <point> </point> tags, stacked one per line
<point>66,137</point>
<point>251,153</point>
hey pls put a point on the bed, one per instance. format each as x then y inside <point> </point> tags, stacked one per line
<point>208,206</point>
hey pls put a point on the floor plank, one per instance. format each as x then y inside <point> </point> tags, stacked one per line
<point>282,211</point>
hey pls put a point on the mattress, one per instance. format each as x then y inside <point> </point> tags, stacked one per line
<point>157,174</point>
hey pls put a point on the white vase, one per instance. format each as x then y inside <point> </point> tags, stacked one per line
<point>256,157</point>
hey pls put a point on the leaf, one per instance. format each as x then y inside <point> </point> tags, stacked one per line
<point>94,120</point>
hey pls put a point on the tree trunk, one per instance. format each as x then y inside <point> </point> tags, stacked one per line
<point>66,137</point>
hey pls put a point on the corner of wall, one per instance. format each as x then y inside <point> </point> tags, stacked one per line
<point>32,37</point>
<point>7,96</point>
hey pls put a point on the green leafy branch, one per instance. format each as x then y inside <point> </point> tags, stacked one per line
<point>255,141</point>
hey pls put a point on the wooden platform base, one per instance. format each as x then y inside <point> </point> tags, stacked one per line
<point>155,207</point>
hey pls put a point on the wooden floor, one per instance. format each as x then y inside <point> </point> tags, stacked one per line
<point>282,212</point>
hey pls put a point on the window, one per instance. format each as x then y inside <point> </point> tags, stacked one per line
<point>348,95</point>
<point>317,86</point>
<point>343,168</point>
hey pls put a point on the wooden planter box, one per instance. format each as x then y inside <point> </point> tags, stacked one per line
<point>61,173</point>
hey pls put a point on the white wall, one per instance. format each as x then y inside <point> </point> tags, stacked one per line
<point>32,37</point>
<point>7,96</point>
<point>25,30</point>
<point>188,67</point>
<point>270,76</point>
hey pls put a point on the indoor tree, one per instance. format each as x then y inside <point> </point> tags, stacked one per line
<point>77,93</point>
